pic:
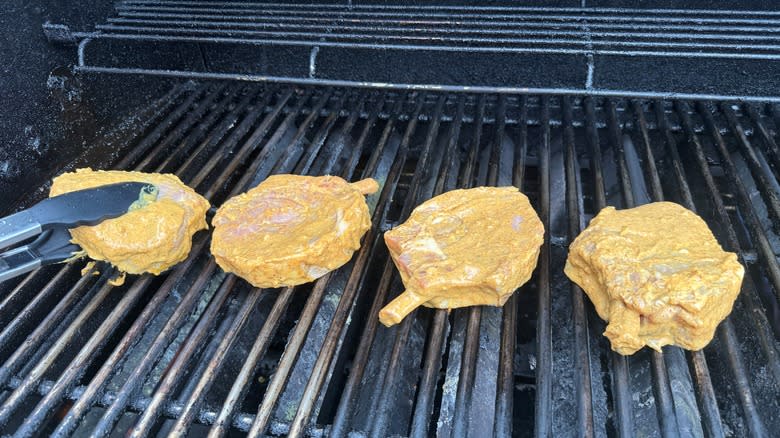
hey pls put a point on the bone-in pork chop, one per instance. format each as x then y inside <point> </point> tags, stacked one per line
<point>656,274</point>
<point>464,248</point>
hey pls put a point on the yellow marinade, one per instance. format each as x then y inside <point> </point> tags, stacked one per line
<point>148,239</point>
<point>464,248</point>
<point>291,229</point>
<point>656,274</point>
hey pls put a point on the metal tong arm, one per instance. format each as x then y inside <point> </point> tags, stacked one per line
<point>18,227</point>
<point>73,209</point>
<point>51,246</point>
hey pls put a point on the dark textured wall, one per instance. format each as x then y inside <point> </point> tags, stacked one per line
<point>47,114</point>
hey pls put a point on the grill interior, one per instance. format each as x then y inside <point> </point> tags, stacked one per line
<point>548,47</point>
<point>200,351</point>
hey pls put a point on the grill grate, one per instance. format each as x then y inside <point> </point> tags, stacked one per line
<point>540,30</point>
<point>587,50</point>
<point>197,350</point>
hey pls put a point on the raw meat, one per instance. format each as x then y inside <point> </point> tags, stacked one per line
<point>291,229</point>
<point>150,239</point>
<point>656,274</point>
<point>464,248</point>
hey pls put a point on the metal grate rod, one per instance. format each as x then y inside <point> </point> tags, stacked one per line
<point>473,314</point>
<point>769,140</point>
<point>543,412</point>
<point>505,382</point>
<point>662,391</point>
<point>581,347</point>
<point>618,363</point>
<point>705,392</point>
<point>725,330</point>
<point>648,158</point>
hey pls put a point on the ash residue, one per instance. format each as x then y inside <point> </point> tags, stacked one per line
<point>482,408</point>
<point>643,402</point>
<point>299,377</point>
<point>49,114</point>
<point>452,376</point>
<point>65,88</point>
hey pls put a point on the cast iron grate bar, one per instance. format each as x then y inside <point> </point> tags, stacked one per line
<point>544,342</point>
<point>585,425</point>
<point>619,364</point>
<point>199,350</point>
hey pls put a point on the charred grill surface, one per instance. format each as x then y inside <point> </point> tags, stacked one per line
<point>198,351</point>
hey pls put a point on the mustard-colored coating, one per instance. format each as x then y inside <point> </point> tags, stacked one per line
<point>291,229</point>
<point>149,239</point>
<point>656,274</point>
<point>464,248</point>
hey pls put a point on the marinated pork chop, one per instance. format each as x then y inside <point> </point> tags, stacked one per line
<point>291,229</point>
<point>464,248</point>
<point>149,239</point>
<point>656,274</point>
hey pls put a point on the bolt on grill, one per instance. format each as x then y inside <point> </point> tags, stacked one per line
<point>198,351</point>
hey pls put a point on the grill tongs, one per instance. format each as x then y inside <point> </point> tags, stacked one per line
<point>51,219</point>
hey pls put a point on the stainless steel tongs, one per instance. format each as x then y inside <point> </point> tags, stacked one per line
<point>51,219</point>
